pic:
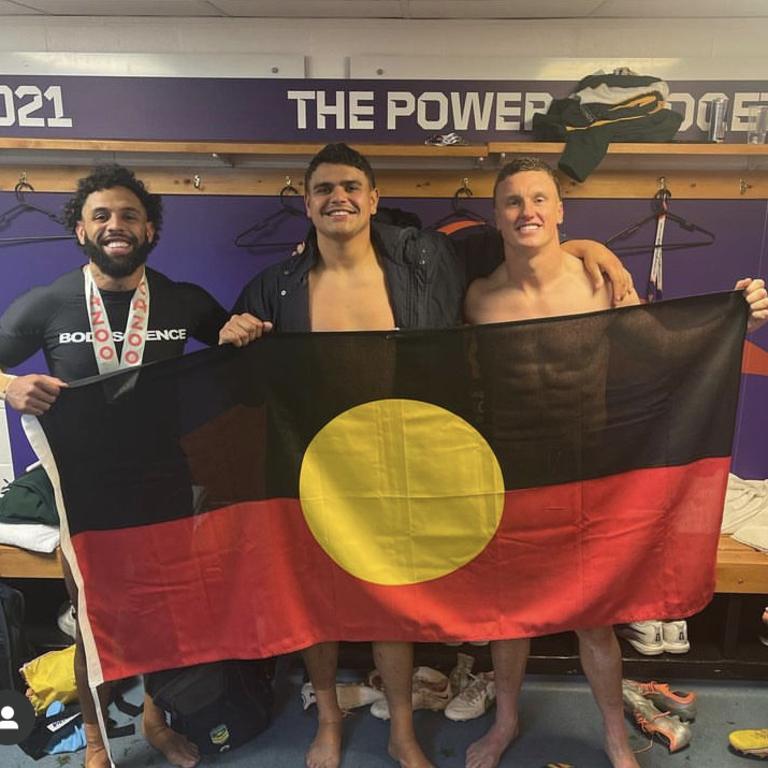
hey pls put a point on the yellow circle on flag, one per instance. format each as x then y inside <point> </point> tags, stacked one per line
<point>401,491</point>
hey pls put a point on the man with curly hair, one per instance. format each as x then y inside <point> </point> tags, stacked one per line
<point>111,313</point>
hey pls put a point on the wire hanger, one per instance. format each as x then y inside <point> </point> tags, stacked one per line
<point>253,236</point>
<point>660,207</point>
<point>24,206</point>
<point>459,212</point>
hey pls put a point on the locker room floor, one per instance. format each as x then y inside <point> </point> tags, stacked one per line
<point>560,722</point>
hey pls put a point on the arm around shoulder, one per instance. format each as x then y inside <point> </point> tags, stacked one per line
<point>599,260</point>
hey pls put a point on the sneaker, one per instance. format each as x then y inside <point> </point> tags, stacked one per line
<point>752,743</point>
<point>460,676</point>
<point>308,697</point>
<point>445,140</point>
<point>66,619</point>
<point>644,636</point>
<point>675,636</point>
<point>431,690</point>
<point>652,721</point>
<point>475,700</point>
<point>680,703</point>
<point>349,695</point>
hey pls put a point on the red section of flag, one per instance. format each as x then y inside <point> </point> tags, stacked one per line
<point>755,360</point>
<point>249,580</point>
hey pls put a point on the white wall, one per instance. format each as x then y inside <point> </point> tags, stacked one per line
<point>328,44</point>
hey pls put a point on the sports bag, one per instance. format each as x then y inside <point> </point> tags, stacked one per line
<point>217,706</point>
<point>15,649</point>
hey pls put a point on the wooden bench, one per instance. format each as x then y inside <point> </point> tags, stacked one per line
<point>740,569</point>
<point>18,563</point>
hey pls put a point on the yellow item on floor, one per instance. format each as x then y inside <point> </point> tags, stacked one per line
<point>51,677</point>
<point>753,743</point>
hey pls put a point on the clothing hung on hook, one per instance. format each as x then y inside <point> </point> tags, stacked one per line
<point>661,215</point>
<point>460,217</point>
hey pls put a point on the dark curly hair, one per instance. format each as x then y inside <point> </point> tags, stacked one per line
<point>107,177</point>
<point>339,154</point>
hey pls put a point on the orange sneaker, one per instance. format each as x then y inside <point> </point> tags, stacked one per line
<point>680,703</point>
<point>652,721</point>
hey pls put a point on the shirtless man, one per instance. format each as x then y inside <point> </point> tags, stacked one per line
<point>539,279</point>
<point>352,275</point>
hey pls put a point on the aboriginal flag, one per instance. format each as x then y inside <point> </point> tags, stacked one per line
<point>499,481</point>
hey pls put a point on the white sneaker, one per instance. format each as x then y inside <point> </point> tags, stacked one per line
<point>460,676</point>
<point>66,619</point>
<point>475,700</point>
<point>675,636</point>
<point>644,636</point>
<point>349,695</point>
<point>308,697</point>
<point>431,690</point>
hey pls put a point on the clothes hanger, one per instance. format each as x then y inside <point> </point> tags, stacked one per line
<point>459,212</point>
<point>660,215</point>
<point>24,206</point>
<point>33,239</point>
<point>253,236</point>
<point>660,208</point>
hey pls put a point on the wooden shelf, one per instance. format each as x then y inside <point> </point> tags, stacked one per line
<point>691,171</point>
<point>237,148</point>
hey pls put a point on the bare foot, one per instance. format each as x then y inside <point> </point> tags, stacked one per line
<point>486,752</point>
<point>177,749</point>
<point>620,754</point>
<point>95,752</point>
<point>408,754</point>
<point>96,756</point>
<point>325,750</point>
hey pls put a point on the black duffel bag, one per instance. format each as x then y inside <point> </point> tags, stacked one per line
<point>217,706</point>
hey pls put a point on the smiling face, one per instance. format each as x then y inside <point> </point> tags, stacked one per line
<point>340,201</point>
<point>528,210</point>
<point>114,231</point>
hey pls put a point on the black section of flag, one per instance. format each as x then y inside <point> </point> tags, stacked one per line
<point>558,400</point>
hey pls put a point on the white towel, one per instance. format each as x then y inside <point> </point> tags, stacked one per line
<point>745,514</point>
<point>33,536</point>
<point>746,501</point>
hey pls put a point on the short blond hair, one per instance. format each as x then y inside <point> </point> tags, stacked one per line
<point>520,164</point>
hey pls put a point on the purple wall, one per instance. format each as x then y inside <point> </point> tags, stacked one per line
<point>197,245</point>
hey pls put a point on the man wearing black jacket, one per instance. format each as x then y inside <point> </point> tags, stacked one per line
<point>352,275</point>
